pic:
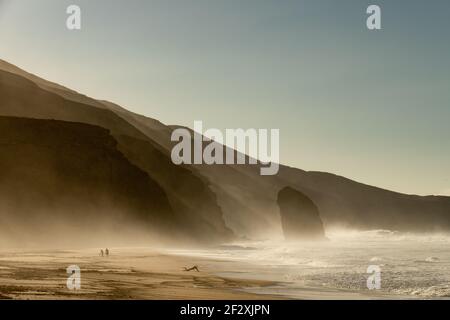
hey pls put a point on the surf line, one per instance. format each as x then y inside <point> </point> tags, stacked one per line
<point>237,150</point>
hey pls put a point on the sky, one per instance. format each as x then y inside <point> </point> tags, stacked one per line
<point>373,106</point>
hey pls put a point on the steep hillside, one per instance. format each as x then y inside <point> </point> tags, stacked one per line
<point>218,198</point>
<point>67,182</point>
<point>188,195</point>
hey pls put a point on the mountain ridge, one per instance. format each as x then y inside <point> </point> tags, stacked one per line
<point>236,195</point>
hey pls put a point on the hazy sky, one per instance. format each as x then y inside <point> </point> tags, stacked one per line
<point>373,106</point>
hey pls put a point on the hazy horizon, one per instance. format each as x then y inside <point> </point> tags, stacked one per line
<point>370,106</point>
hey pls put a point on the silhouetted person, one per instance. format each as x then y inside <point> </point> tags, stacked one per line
<point>107,252</point>
<point>101,252</point>
<point>192,268</point>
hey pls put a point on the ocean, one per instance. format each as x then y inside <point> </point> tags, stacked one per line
<point>410,266</point>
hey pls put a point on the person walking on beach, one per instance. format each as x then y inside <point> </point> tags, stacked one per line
<point>107,252</point>
<point>101,252</point>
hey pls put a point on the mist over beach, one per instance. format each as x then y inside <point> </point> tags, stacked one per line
<point>224,150</point>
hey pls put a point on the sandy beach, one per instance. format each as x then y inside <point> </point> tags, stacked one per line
<point>126,274</point>
<point>412,267</point>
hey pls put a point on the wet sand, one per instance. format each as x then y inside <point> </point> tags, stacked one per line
<point>147,274</point>
<point>125,274</point>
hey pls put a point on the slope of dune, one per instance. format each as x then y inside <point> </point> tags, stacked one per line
<point>219,200</point>
<point>188,195</point>
<point>67,182</point>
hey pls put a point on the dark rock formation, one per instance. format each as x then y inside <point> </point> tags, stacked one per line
<point>211,200</point>
<point>300,217</point>
<point>193,204</point>
<point>69,179</point>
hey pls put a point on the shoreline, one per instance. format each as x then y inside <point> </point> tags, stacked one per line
<point>151,274</point>
<point>127,274</point>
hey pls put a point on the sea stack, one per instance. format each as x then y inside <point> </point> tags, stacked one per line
<point>300,218</point>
